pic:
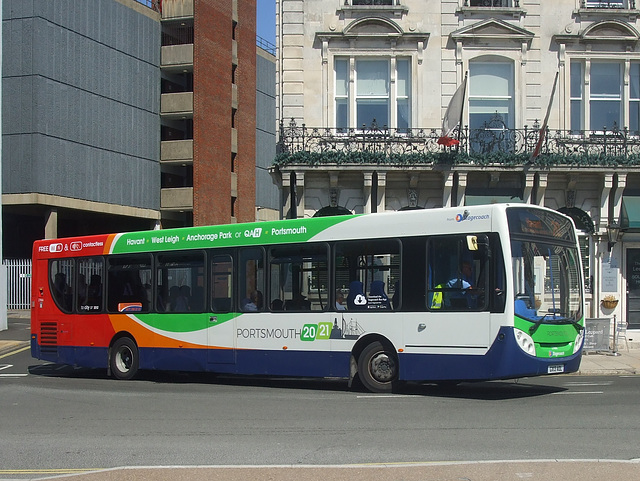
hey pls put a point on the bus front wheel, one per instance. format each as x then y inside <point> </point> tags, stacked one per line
<point>378,368</point>
<point>124,358</point>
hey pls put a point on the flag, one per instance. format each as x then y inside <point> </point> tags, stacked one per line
<point>543,128</point>
<point>453,115</point>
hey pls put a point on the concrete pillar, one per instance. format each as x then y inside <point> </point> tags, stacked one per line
<point>541,188</point>
<point>447,188</point>
<point>382,192</point>
<point>51,224</point>
<point>366,191</point>
<point>287,194</point>
<point>529,182</point>
<point>604,202</point>
<point>300,194</point>
<point>462,188</point>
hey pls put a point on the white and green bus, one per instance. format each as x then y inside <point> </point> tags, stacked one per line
<point>440,295</point>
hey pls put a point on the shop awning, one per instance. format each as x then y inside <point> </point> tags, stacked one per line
<point>630,213</point>
<point>491,199</point>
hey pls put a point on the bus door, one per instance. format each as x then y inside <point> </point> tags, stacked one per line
<point>458,277</point>
<point>55,330</point>
<point>221,327</point>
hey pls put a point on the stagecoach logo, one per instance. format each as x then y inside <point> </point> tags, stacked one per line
<point>465,216</point>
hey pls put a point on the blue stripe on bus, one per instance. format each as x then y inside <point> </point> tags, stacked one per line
<point>504,360</point>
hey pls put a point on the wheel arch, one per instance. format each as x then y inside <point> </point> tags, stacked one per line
<point>114,338</point>
<point>360,345</point>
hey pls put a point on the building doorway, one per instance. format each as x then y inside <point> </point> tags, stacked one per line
<point>633,288</point>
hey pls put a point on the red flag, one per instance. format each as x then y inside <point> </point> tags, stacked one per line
<point>543,129</point>
<point>453,115</point>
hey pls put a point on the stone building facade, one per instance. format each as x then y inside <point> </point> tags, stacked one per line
<point>362,87</point>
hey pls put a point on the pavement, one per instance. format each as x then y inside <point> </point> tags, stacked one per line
<point>625,361</point>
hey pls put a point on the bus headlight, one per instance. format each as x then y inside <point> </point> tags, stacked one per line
<point>525,342</point>
<point>577,344</point>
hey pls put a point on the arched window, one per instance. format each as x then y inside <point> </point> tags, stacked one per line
<point>328,211</point>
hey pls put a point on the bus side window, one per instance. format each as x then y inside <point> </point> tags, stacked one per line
<point>89,290</point>
<point>221,283</point>
<point>457,273</point>
<point>61,279</point>
<point>127,280</point>
<point>180,281</point>
<point>251,279</point>
<point>371,271</point>
<point>299,277</point>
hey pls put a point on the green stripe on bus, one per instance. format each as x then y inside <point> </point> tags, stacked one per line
<point>229,235</point>
<point>184,322</point>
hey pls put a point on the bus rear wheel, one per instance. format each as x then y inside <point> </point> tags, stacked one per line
<point>124,359</point>
<point>378,368</point>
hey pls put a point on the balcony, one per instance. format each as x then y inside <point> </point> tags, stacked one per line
<point>177,9</point>
<point>180,198</point>
<point>177,104</point>
<point>177,55</point>
<point>176,151</point>
<point>494,144</point>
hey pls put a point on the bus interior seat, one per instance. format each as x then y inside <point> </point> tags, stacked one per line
<point>355,290</point>
<point>221,304</point>
<point>377,289</point>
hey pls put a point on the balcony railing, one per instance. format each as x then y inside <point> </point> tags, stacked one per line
<point>492,3</point>
<point>491,144</point>
<point>609,4</point>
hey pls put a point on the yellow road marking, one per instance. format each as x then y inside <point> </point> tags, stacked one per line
<point>48,471</point>
<point>14,352</point>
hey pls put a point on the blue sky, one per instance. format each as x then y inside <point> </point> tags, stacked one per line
<point>266,16</point>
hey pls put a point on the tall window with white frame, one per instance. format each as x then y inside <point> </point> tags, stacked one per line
<point>375,98</point>
<point>491,94</point>
<point>576,93</point>
<point>634,98</point>
<point>605,95</point>
<point>372,92</point>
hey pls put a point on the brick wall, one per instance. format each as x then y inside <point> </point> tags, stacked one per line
<point>213,27</point>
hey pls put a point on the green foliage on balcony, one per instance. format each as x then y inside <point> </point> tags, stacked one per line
<point>451,157</point>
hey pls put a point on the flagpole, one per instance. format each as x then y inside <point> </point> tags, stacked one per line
<point>543,129</point>
<point>464,92</point>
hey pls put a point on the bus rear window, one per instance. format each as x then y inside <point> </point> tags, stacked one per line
<point>61,280</point>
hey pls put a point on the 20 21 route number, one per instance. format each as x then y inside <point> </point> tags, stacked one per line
<point>311,332</point>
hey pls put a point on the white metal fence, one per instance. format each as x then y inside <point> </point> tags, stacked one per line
<point>18,283</point>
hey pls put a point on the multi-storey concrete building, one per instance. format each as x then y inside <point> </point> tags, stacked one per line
<point>362,90</point>
<point>121,115</point>
<point>80,133</point>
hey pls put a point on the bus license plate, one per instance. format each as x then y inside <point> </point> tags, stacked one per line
<point>555,368</point>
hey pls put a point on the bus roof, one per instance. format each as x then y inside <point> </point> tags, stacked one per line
<point>361,226</point>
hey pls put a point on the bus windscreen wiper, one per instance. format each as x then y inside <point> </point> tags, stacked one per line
<point>536,324</point>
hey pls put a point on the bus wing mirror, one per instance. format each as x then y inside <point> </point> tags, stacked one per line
<point>478,243</point>
<point>472,242</point>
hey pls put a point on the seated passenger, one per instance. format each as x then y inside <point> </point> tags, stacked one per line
<point>253,303</point>
<point>340,301</point>
<point>298,303</point>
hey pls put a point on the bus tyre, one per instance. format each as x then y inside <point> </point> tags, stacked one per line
<point>378,368</point>
<point>124,358</point>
